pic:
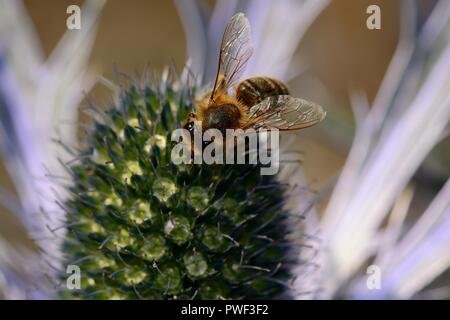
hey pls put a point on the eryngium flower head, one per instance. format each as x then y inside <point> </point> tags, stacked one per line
<point>143,227</point>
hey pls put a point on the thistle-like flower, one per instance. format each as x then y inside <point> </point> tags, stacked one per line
<point>127,240</point>
<point>140,226</point>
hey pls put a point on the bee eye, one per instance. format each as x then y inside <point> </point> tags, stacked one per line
<point>190,126</point>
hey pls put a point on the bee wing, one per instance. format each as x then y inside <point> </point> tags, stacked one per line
<point>235,50</point>
<point>285,113</point>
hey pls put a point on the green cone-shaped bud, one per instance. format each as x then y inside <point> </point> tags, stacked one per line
<point>141,227</point>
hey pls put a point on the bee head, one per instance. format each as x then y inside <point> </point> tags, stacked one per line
<point>189,126</point>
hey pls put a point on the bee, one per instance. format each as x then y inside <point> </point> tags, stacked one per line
<point>257,102</point>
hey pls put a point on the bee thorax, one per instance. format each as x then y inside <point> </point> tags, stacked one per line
<point>222,117</point>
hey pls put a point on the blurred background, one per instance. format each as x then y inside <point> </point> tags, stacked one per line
<point>337,55</point>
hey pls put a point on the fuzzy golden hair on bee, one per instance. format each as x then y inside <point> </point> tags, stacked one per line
<point>224,112</point>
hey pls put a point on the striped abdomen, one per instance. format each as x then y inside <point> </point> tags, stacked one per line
<point>254,90</point>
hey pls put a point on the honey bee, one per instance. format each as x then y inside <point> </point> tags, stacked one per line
<point>257,102</point>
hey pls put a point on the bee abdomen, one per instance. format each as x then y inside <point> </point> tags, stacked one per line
<point>254,90</point>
